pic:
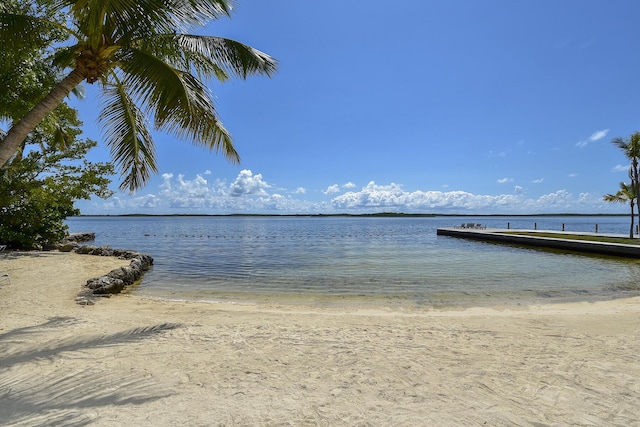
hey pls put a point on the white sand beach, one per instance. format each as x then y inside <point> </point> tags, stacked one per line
<point>133,361</point>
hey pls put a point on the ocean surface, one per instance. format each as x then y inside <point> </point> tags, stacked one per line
<point>352,260</point>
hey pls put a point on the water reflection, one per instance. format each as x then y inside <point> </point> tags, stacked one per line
<point>333,258</point>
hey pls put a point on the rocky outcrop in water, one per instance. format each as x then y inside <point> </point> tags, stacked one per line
<point>116,280</point>
<point>73,240</point>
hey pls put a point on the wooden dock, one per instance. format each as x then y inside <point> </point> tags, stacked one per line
<point>572,245</point>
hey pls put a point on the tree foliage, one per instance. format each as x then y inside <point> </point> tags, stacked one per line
<point>626,194</point>
<point>48,173</point>
<point>631,149</point>
<point>27,71</point>
<point>38,193</point>
<point>147,68</point>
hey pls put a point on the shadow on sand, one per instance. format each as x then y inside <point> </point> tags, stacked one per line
<point>31,395</point>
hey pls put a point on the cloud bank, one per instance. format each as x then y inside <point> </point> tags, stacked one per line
<point>251,193</point>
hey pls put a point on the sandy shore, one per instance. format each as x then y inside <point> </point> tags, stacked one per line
<point>132,361</point>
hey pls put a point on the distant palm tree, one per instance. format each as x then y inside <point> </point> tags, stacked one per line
<point>631,149</point>
<point>626,194</point>
<point>135,51</point>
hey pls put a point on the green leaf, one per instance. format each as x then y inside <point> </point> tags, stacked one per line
<point>128,137</point>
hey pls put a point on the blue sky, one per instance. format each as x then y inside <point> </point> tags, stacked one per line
<point>460,106</point>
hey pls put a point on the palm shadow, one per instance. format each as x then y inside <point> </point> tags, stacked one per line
<point>53,322</point>
<point>50,350</point>
<point>34,397</point>
<point>14,254</point>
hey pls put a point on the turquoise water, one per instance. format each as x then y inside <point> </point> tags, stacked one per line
<point>334,259</point>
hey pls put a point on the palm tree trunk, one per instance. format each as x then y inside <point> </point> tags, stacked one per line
<point>632,221</point>
<point>18,132</point>
<point>636,191</point>
<point>635,184</point>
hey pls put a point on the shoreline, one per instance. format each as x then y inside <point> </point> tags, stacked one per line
<point>394,302</point>
<point>140,361</point>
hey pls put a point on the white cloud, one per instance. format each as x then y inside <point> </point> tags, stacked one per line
<point>505,180</point>
<point>332,189</point>
<point>301,190</point>
<point>518,189</point>
<point>596,136</point>
<point>573,175</point>
<point>559,198</point>
<point>185,193</point>
<point>146,201</point>
<point>620,168</point>
<point>195,195</point>
<point>538,181</point>
<point>248,184</point>
<point>349,185</point>
<point>196,188</point>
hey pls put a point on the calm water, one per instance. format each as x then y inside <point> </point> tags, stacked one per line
<point>334,259</point>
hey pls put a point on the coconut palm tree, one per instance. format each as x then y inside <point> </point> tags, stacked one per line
<point>626,194</point>
<point>143,63</point>
<point>631,149</point>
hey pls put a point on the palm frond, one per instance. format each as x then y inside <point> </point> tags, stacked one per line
<point>630,146</point>
<point>134,48</point>
<point>202,126</point>
<point>620,143</point>
<point>185,53</point>
<point>180,103</point>
<point>210,56</point>
<point>196,12</point>
<point>65,57</point>
<point>626,194</point>
<point>634,145</point>
<point>89,16</point>
<point>118,21</point>
<point>128,137</point>
<point>126,20</point>
<point>240,59</point>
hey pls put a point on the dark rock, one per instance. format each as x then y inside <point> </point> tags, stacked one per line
<point>105,251</point>
<point>80,237</point>
<point>105,285</point>
<point>127,274</point>
<point>87,249</point>
<point>67,246</point>
<point>115,280</point>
